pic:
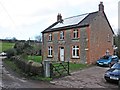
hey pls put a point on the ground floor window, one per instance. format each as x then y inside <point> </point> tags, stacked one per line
<point>75,51</point>
<point>50,50</point>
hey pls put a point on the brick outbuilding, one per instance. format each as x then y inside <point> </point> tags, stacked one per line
<point>81,39</point>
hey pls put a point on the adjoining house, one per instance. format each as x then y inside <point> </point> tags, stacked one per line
<point>81,39</point>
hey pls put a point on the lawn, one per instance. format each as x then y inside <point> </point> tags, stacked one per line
<point>77,66</point>
<point>5,46</point>
<point>72,66</point>
<point>35,58</point>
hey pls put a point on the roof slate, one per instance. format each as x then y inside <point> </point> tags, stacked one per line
<point>75,21</point>
<point>70,21</point>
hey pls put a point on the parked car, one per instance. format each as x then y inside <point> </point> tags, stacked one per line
<point>113,74</point>
<point>108,60</point>
<point>3,54</point>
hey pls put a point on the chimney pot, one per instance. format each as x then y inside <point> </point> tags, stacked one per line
<point>59,17</point>
<point>101,6</point>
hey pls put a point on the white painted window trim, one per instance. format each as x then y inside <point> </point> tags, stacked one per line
<point>51,50</point>
<point>50,37</point>
<point>75,56</point>
<point>61,35</point>
<point>76,33</point>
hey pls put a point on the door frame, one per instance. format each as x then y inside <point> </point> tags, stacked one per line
<point>60,53</point>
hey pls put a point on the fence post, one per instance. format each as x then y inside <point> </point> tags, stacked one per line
<point>51,70</point>
<point>47,68</point>
<point>68,68</point>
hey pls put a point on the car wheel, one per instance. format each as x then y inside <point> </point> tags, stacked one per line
<point>109,65</point>
<point>107,80</point>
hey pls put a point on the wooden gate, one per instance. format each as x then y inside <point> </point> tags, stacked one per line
<point>59,69</point>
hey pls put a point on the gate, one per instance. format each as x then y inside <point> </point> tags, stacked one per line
<point>59,69</point>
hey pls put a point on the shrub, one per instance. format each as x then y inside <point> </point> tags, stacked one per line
<point>11,52</point>
<point>34,68</point>
<point>29,67</point>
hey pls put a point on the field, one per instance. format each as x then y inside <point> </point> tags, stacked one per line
<point>5,46</point>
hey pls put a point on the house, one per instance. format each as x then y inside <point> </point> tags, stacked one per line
<point>81,39</point>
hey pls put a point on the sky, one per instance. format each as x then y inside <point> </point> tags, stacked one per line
<point>26,19</point>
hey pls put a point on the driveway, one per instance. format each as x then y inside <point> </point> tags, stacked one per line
<point>92,77</point>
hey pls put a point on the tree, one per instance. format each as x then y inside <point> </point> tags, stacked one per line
<point>23,47</point>
<point>14,39</point>
<point>38,38</point>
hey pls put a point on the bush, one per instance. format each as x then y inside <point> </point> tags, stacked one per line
<point>29,67</point>
<point>11,52</point>
<point>35,68</point>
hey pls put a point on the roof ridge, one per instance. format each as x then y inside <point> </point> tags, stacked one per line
<point>80,15</point>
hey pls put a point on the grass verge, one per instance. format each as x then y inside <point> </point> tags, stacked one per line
<point>13,66</point>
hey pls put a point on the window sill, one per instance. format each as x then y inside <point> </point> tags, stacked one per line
<point>75,58</point>
<point>49,41</point>
<point>61,40</point>
<point>75,38</point>
<point>49,56</point>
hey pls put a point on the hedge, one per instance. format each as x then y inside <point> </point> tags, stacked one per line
<point>29,67</point>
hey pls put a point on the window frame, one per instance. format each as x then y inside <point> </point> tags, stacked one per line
<point>75,51</point>
<point>62,36</point>
<point>75,33</point>
<point>50,37</point>
<point>50,51</point>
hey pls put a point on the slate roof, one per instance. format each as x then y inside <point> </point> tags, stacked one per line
<point>70,21</point>
<point>74,22</point>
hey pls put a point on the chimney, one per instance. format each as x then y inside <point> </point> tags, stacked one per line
<point>59,17</point>
<point>101,7</point>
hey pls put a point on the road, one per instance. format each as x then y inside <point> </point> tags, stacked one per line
<point>12,80</point>
<point>88,78</point>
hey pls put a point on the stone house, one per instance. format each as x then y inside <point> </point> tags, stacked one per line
<point>81,39</point>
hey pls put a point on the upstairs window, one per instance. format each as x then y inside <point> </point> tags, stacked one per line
<point>61,35</point>
<point>50,50</point>
<point>75,33</point>
<point>75,51</point>
<point>50,37</point>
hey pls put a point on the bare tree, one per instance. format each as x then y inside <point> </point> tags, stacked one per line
<point>38,38</point>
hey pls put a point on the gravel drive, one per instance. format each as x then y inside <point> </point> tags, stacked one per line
<point>92,77</point>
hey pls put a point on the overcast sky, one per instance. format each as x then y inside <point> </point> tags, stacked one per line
<point>25,19</point>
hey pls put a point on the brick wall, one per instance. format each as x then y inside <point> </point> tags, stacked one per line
<point>67,43</point>
<point>99,30</point>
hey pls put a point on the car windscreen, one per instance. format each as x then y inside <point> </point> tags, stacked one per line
<point>105,57</point>
<point>116,65</point>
